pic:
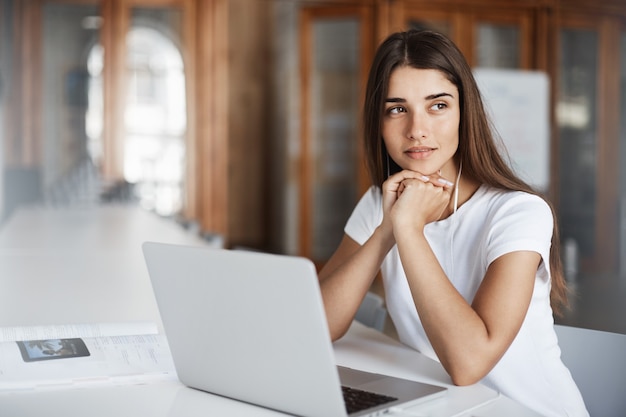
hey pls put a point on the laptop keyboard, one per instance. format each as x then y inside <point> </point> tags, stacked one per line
<point>357,400</point>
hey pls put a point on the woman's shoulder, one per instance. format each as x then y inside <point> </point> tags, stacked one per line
<point>510,214</point>
<point>366,215</point>
<point>373,194</point>
<point>500,199</point>
<point>370,201</point>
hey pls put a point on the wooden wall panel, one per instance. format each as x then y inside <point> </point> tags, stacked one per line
<point>114,28</point>
<point>248,114</point>
<point>23,145</point>
<point>211,143</point>
<point>607,235</point>
<point>190,46</point>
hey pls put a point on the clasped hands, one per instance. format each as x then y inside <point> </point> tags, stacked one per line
<point>412,200</point>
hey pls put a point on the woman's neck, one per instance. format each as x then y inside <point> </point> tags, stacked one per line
<point>463,190</point>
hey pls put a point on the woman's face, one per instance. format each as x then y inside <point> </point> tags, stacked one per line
<point>421,120</point>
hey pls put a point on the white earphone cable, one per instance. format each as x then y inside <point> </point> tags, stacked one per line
<point>453,223</point>
<point>456,187</point>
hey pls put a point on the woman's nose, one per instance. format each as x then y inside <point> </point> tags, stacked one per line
<point>418,127</point>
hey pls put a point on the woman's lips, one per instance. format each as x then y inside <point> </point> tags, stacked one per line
<point>420,152</point>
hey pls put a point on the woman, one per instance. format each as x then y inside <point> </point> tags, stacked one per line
<point>468,252</point>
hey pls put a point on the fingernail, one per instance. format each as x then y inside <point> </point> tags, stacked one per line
<point>425,178</point>
<point>445,182</point>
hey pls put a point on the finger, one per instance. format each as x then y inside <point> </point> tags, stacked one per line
<point>408,174</point>
<point>438,180</point>
<point>393,184</point>
<point>445,183</point>
<point>435,179</point>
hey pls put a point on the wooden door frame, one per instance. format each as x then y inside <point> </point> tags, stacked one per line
<point>22,143</point>
<point>209,147</point>
<point>307,15</point>
<point>465,15</point>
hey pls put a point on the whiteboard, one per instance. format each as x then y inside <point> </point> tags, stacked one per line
<point>518,104</point>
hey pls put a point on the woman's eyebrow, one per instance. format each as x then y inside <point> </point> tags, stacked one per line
<point>395,100</point>
<point>429,97</point>
<point>438,95</point>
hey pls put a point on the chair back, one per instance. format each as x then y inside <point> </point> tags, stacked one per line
<point>597,361</point>
<point>372,312</point>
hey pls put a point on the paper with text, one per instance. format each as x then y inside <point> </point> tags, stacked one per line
<point>111,360</point>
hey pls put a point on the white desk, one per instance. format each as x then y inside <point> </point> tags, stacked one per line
<point>361,348</point>
<point>88,229</point>
<point>62,266</point>
<point>75,267</point>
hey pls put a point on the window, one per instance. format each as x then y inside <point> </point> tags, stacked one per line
<point>155,111</point>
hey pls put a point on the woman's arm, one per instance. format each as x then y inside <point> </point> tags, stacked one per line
<point>349,273</point>
<point>347,276</point>
<point>468,339</point>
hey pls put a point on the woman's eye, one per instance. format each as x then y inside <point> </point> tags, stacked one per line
<point>396,110</point>
<point>439,106</point>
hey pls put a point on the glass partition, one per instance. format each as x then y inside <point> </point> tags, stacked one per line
<point>437,25</point>
<point>576,119</point>
<point>498,46</point>
<point>69,32</point>
<point>334,114</point>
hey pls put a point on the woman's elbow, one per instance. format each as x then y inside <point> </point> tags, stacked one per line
<point>464,379</point>
<point>467,375</point>
<point>337,332</point>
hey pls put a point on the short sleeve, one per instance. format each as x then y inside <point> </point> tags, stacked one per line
<point>524,222</point>
<point>366,216</point>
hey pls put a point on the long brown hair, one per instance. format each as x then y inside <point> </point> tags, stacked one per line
<point>480,150</point>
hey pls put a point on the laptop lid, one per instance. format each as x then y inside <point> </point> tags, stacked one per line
<point>251,326</point>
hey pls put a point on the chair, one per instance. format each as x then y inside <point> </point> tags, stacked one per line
<point>597,361</point>
<point>372,312</point>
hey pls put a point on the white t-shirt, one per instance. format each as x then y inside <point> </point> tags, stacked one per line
<point>490,224</point>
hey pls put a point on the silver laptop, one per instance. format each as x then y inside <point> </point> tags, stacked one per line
<point>251,326</point>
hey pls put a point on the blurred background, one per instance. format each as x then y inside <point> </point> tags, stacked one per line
<point>240,119</point>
